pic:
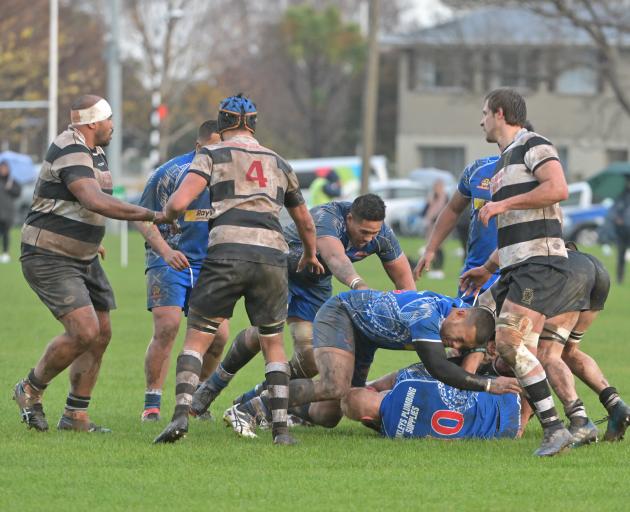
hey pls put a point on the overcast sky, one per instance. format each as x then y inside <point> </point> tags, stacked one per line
<point>429,12</point>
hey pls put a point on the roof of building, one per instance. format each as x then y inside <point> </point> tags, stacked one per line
<point>498,25</point>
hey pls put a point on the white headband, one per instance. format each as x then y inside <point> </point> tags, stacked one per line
<point>97,112</point>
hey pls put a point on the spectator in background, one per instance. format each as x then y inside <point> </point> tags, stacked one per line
<point>621,220</point>
<point>436,202</point>
<point>9,191</point>
<point>325,188</point>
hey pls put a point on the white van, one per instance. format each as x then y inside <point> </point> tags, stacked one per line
<point>347,167</point>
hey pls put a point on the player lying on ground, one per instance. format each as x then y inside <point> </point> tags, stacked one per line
<point>411,403</point>
<point>350,327</point>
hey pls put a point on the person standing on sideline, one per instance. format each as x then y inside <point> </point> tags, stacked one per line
<point>436,202</point>
<point>325,188</point>
<point>527,186</point>
<point>9,192</point>
<point>173,262</point>
<point>247,255</point>
<point>61,241</point>
<point>621,221</point>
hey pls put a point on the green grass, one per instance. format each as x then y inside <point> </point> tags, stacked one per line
<point>347,468</point>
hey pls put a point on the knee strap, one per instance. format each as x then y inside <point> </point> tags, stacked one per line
<point>271,329</point>
<point>552,333</point>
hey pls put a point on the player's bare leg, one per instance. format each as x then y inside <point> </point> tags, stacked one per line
<point>589,372</point>
<point>81,329</point>
<point>166,321</point>
<point>84,371</point>
<point>199,337</point>
<point>303,360</point>
<point>514,325</point>
<point>552,342</point>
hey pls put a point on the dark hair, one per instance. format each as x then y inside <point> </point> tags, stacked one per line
<point>528,126</point>
<point>85,101</point>
<point>207,128</point>
<point>512,104</point>
<point>368,207</point>
<point>483,320</point>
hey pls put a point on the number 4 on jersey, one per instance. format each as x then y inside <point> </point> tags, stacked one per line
<point>255,173</point>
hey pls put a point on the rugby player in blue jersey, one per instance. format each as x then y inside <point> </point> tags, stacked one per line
<point>411,403</point>
<point>350,327</point>
<point>173,261</point>
<point>474,190</point>
<point>346,232</point>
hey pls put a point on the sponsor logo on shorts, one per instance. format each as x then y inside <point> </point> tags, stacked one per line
<point>69,299</point>
<point>155,292</point>
<point>485,184</point>
<point>528,296</point>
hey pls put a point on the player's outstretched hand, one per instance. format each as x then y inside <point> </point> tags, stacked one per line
<point>101,251</point>
<point>502,385</point>
<point>472,280</point>
<point>311,263</point>
<point>177,260</point>
<point>424,264</point>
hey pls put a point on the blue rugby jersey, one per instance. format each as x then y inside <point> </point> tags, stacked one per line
<point>394,320</point>
<point>193,238</point>
<point>330,220</point>
<point>420,406</point>
<point>475,185</point>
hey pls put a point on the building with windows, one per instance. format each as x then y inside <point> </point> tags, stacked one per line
<point>446,70</point>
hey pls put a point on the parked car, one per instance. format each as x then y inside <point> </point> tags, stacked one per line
<point>403,198</point>
<point>583,220</point>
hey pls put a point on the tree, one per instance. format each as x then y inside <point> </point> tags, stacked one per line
<point>606,22</point>
<point>24,67</point>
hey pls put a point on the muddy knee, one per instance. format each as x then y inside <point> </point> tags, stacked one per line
<point>303,360</point>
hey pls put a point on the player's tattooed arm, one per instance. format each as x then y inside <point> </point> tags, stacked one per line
<point>332,252</point>
<point>440,368</point>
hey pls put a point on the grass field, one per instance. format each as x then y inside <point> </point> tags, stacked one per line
<point>347,468</point>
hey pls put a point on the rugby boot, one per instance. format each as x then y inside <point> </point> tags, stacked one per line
<point>174,431</point>
<point>206,416</point>
<point>618,421</point>
<point>295,421</point>
<point>150,415</point>
<point>555,440</point>
<point>583,434</point>
<point>243,423</point>
<point>284,440</point>
<point>203,396</point>
<point>79,421</point>
<point>30,404</point>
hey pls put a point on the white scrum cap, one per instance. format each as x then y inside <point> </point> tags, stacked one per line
<point>97,112</point>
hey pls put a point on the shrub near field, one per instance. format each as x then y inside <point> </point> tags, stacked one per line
<point>347,468</point>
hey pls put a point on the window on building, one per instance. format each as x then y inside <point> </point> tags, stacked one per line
<point>448,158</point>
<point>432,72</point>
<point>616,155</point>
<point>577,80</point>
<point>509,71</point>
<point>443,70</point>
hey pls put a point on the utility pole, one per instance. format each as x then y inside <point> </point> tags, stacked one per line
<point>370,95</point>
<point>114,96</point>
<point>114,90</point>
<point>53,69</point>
